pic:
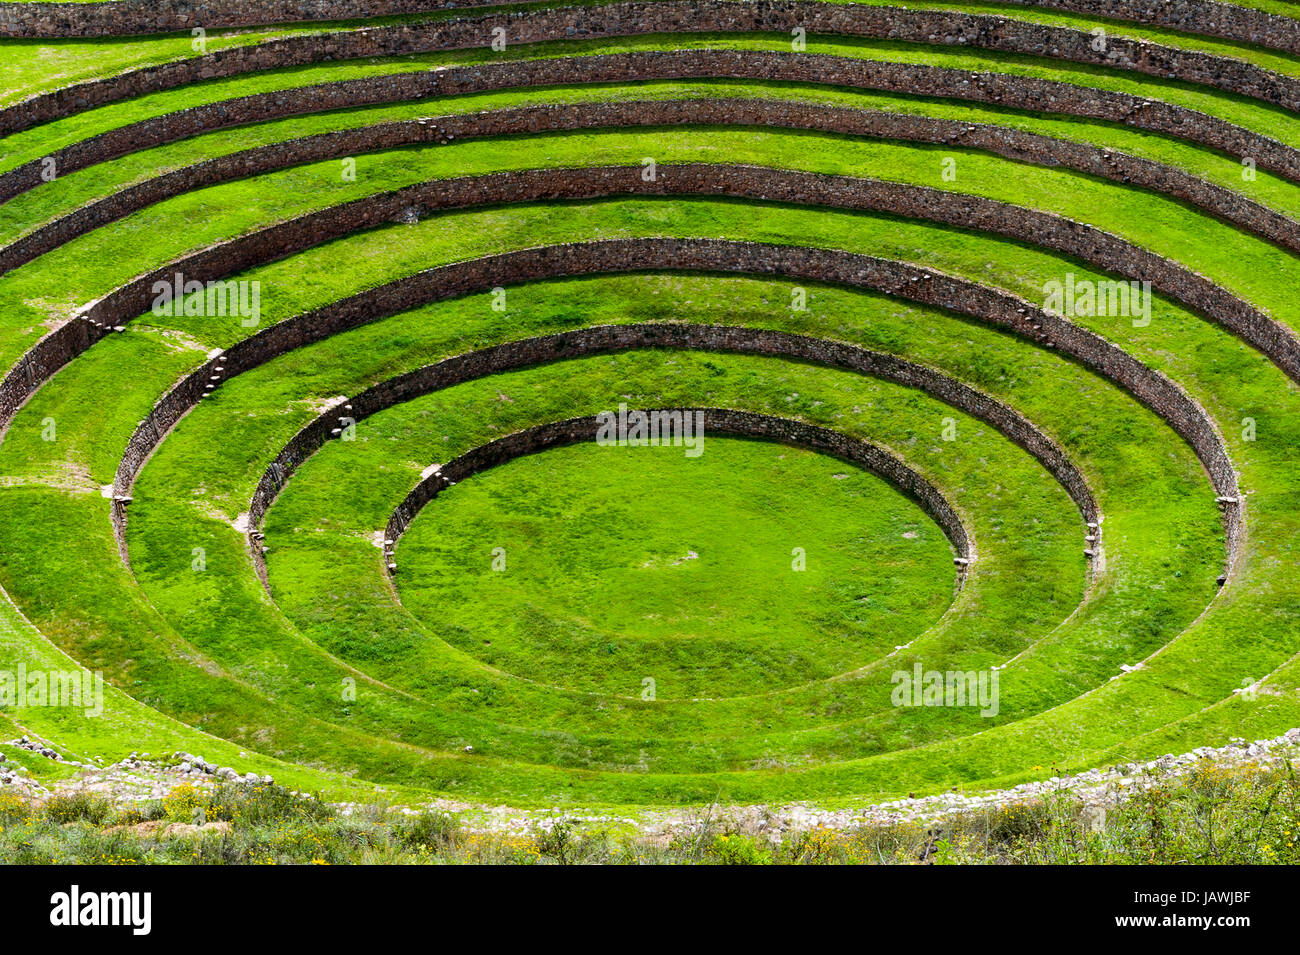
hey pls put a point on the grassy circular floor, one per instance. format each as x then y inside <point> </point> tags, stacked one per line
<point>747,568</point>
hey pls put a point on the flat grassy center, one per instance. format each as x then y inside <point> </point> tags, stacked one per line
<point>644,572</point>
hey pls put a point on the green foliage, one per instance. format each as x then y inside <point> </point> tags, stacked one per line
<point>1217,814</point>
<point>430,830</point>
<point>735,849</point>
<point>77,807</point>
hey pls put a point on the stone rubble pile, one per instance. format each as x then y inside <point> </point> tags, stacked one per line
<point>1095,788</point>
<point>34,746</point>
<point>11,777</point>
<point>139,777</point>
<point>190,765</point>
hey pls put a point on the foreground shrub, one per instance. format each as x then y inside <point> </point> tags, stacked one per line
<point>14,810</point>
<point>429,830</point>
<point>736,849</point>
<point>1215,814</point>
<point>77,807</point>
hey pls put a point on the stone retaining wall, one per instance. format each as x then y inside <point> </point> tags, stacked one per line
<point>1206,17</point>
<point>908,282</point>
<point>596,257</point>
<point>1187,419</point>
<point>997,34</point>
<point>106,18</point>
<point>717,421</point>
<point>1012,144</point>
<point>761,66</point>
<point>132,17</point>
<point>1100,249</point>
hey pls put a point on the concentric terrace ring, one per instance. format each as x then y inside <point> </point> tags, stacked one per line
<point>126,17</point>
<point>972,31</point>
<point>1050,231</point>
<point>1012,144</point>
<point>1016,92</point>
<point>1183,415</point>
<point>613,338</point>
<point>746,424</point>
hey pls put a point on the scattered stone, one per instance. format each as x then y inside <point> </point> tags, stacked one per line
<point>134,779</point>
<point>185,830</point>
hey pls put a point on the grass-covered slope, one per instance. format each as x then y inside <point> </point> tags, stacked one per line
<point>635,625</point>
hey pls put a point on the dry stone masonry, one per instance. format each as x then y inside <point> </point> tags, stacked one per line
<point>1157,392</point>
<point>716,421</point>
<point>935,27</point>
<point>126,17</point>
<point>1012,144</point>
<point>991,88</point>
<point>1084,242</point>
<point>1099,249</point>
